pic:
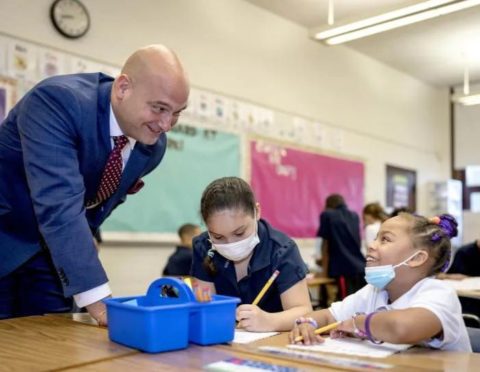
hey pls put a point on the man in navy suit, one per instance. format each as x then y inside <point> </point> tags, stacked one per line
<point>54,147</point>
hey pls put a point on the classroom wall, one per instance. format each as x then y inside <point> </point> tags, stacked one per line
<point>467,132</point>
<point>239,50</point>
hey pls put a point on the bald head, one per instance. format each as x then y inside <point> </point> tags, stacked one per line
<point>155,61</point>
<point>150,93</point>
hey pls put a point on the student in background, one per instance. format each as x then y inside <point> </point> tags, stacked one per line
<point>342,258</point>
<point>373,216</point>
<point>402,303</point>
<point>180,262</point>
<point>239,252</point>
<point>466,261</point>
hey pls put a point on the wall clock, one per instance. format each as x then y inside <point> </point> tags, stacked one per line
<point>70,18</point>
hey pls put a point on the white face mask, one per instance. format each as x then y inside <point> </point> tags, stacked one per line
<point>240,250</point>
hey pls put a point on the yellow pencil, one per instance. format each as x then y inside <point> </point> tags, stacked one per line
<point>265,287</point>
<point>320,330</point>
<point>188,281</point>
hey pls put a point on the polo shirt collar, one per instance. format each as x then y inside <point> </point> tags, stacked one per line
<point>263,251</point>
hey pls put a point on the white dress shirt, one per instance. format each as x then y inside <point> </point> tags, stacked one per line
<point>98,293</point>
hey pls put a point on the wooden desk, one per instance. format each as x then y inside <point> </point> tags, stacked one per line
<point>59,343</point>
<point>40,343</point>
<point>56,342</point>
<point>321,282</point>
<point>417,358</point>
<point>470,293</point>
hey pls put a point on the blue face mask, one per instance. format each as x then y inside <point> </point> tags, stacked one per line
<point>380,276</point>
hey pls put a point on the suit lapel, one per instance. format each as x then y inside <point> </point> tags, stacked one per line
<point>135,167</point>
<point>97,158</point>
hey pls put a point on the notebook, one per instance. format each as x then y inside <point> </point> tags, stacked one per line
<point>354,346</point>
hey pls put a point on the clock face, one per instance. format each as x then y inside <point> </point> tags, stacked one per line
<point>70,18</point>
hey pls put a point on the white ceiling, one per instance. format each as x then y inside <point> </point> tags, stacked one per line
<point>433,50</point>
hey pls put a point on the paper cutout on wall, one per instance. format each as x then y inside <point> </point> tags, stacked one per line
<point>21,60</point>
<point>275,155</point>
<point>319,134</point>
<point>3,55</point>
<point>337,139</point>
<point>220,108</point>
<point>204,104</point>
<point>50,63</point>
<point>300,126</point>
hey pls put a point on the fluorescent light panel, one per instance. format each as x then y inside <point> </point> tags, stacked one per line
<point>473,99</point>
<point>388,21</point>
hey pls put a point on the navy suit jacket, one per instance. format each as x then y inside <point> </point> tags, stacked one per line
<point>54,145</point>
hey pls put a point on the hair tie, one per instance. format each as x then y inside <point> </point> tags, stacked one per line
<point>447,224</point>
<point>435,220</point>
<point>436,236</point>
<point>445,266</point>
<point>211,252</point>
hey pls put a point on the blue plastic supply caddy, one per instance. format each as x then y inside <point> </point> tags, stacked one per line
<point>153,323</point>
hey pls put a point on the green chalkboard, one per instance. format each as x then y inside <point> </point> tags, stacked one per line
<point>171,195</point>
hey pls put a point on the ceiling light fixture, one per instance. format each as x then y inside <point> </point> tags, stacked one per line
<point>331,13</point>
<point>470,100</point>
<point>466,99</point>
<point>388,21</point>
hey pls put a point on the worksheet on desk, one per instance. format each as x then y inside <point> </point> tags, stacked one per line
<point>245,337</point>
<point>353,346</point>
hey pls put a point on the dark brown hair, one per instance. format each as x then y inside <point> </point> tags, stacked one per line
<point>225,193</point>
<point>376,211</point>
<point>399,210</point>
<point>187,229</point>
<point>333,201</point>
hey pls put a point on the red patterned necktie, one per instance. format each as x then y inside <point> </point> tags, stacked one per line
<point>112,173</point>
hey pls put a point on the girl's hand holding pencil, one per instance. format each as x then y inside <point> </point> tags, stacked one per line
<point>252,318</point>
<point>307,333</point>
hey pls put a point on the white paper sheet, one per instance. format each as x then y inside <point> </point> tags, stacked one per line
<point>354,346</point>
<point>467,284</point>
<point>244,337</point>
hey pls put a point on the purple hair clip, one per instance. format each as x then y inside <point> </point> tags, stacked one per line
<point>447,224</point>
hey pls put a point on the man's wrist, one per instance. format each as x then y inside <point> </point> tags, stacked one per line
<point>93,295</point>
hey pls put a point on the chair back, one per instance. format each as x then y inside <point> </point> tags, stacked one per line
<point>474,336</point>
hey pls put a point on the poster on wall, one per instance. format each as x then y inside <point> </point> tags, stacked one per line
<point>50,63</point>
<point>171,197</point>
<point>291,185</point>
<point>21,60</point>
<point>401,188</point>
<point>7,96</point>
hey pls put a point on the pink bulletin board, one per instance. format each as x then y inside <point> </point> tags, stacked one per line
<point>291,185</point>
